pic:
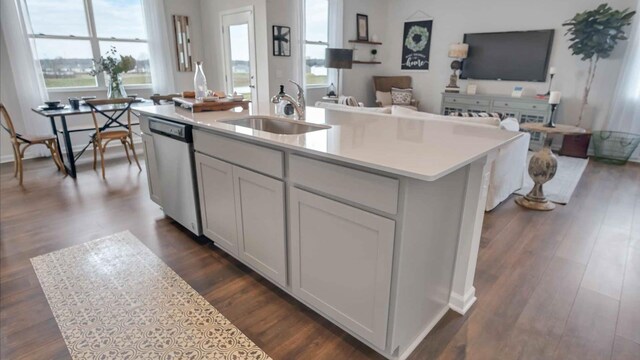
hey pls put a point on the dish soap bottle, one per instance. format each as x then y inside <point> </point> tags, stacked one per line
<point>200,82</point>
<point>280,106</point>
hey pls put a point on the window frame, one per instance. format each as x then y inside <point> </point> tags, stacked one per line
<point>306,42</point>
<point>94,41</point>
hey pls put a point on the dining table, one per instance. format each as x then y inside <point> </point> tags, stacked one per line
<point>61,114</point>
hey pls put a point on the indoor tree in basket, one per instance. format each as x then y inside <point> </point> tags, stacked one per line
<point>594,35</point>
<point>114,68</point>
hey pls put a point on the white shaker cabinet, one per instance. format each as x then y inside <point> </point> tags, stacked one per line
<point>243,213</point>
<point>342,262</point>
<point>217,202</point>
<point>260,221</point>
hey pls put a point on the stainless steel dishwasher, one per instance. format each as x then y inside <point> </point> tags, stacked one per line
<point>173,143</point>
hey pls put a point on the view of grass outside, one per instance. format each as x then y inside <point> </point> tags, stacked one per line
<point>313,79</point>
<point>79,80</point>
<point>241,84</point>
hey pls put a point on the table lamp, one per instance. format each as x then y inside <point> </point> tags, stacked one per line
<point>554,100</point>
<point>338,59</point>
<point>457,52</point>
<point>552,73</point>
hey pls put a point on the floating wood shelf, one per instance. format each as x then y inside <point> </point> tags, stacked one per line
<point>366,62</point>
<point>365,42</point>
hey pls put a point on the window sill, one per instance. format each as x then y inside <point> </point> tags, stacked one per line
<point>95,89</point>
<point>316,87</point>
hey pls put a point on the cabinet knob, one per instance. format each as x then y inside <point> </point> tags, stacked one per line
<point>506,104</point>
<point>534,106</point>
<point>477,102</point>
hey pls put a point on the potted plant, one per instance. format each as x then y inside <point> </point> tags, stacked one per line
<point>114,67</point>
<point>374,52</point>
<point>593,36</point>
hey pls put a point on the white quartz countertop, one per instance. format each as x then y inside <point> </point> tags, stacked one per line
<point>416,148</point>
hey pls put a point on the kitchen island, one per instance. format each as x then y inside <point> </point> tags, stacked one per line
<point>371,220</point>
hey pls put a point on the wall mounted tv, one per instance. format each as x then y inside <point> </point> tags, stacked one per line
<point>517,55</point>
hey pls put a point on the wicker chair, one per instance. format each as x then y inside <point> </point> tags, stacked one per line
<point>102,136</point>
<point>19,140</point>
<point>385,83</point>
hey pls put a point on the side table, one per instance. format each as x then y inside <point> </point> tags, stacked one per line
<point>543,165</point>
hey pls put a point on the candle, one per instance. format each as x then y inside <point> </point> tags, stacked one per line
<point>554,98</point>
<point>552,70</point>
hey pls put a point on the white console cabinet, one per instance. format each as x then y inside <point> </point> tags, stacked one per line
<point>525,109</point>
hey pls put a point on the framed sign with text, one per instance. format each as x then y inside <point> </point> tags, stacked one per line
<point>416,43</point>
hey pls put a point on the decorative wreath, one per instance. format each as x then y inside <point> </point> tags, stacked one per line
<point>424,37</point>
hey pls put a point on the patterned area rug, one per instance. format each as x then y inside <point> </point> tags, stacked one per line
<point>561,187</point>
<point>114,299</point>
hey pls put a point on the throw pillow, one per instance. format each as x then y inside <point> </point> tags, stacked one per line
<point>384,98</point>
<point>510,124</point>
<point>401,96</point>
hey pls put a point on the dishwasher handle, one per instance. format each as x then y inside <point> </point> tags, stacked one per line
<point>176,131</point>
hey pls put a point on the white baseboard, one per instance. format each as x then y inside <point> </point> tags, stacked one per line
<point>462,303</point>
<point>33,154</point>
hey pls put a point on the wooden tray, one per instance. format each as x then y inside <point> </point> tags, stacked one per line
<point>189,103</point>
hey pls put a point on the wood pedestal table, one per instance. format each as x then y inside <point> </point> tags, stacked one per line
<point>543,165</point>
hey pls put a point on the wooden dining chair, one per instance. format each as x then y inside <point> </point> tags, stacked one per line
<point>20,140</point>
<point>103,135</point>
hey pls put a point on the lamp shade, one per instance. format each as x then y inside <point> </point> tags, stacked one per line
<point>554,97</point>
<point>339,58</point>
<point>458,51</point>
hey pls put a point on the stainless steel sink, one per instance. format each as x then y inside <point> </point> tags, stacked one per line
<point>276,126</point>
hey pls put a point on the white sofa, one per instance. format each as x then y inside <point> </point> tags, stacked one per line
<point>342,107</point>
<point>509,168</point>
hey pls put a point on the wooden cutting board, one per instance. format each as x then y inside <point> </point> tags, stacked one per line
<point>190,103</point>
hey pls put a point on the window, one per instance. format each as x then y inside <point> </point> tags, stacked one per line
<point>69,34</point>
<point>316,21</point>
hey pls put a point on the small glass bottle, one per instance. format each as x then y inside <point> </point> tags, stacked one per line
<point>200,82</point>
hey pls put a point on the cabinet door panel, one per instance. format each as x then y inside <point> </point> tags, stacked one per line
<point>342,262</point>
<point>217,204</point>
<point>151,164</point>
<point>261,228</point>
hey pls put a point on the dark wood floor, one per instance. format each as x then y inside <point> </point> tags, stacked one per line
<point>562,284</point>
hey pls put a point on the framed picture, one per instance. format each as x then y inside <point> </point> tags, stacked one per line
<point>517,91</point>
<point>281,40</point>
<point>416,45</point>
<point>183,42</point>
<point>362,24</point>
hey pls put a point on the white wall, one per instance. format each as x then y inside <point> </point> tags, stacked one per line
<point>358,81</point>
<point>454,18</point>
<point>284,68</point>
<point>190,8</point>
<point>211,31</point>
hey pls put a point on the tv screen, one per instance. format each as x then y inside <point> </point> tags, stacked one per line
<point>518,55</point>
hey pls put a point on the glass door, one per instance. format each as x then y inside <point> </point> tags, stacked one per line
<point>239,54</point>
